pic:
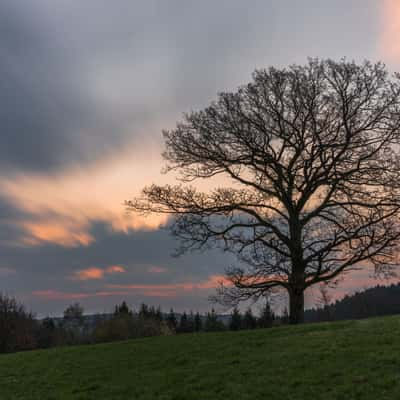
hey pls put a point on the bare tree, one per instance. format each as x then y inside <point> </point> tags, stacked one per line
<point>311,166</point>
<point>18,327</point>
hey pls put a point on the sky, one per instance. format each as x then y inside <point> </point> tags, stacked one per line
<point>86,89</point>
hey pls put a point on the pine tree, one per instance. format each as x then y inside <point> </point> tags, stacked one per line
<point>183,323</point>
<point>143,311</point>
<point>267,316</point>
<point>171,320</point>
<point>122,310</point>
<point>159,316</point>
<point>191,322</point>
<point>249,321</point>
<point>236,320</point>
<point>152,312</point>
<point>285,316</point>
<point>198,323</point>
<point>212,323</point>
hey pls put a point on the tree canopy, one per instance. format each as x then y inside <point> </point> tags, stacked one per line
<point>310,165</point>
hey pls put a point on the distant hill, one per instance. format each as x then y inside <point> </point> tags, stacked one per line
<point>376,301</point>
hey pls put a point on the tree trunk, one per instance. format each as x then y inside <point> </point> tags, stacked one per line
<point>296,309</point>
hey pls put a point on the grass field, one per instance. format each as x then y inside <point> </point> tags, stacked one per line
<point>342,360</point>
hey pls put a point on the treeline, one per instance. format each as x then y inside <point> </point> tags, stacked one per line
<point>372,302</point>
<point>20,330</point>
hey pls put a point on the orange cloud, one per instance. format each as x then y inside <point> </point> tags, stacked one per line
<point>63,233</point>
<point>115,269</point>
<point>146,290</point>
<point>62,206</point>
<point>94,273</point>
<point>389,43</point>
<point>89,273</point>
<point>212,282</point>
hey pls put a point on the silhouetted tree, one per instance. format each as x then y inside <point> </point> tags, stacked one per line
<point>212,323</point>
<point>313,154</point>
<point>144,311</point>
<point>122,309</point>
<point>158,314</point>
<point>171,320</point>
<point>236,320</point>
<point>190,323</point>
<point>183,323</point>
<point>249,321</point>
<point>73,312</point>
<point>198,325</point>
<point>267,317</point>
<point>285,316</point>
<point>17,326</point>
<point>47,333</point>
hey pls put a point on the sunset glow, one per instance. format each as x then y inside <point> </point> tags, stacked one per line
<point>389,40</point>
<point>87,94</point>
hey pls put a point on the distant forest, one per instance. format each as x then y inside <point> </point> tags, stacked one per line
<point>20,330</point>
<point>375,301</point>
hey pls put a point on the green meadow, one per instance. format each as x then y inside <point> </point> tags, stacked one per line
<point>340,360</point>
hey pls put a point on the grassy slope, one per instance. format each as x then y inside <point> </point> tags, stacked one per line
<point>344,360</point>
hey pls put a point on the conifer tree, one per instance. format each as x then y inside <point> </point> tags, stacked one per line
<point>171,320</point>
<point>266,317</point>
<point>236,320</point>
<point>198,323</point>
<point>249,321</point>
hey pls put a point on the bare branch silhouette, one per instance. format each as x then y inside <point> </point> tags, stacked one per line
<point>310,157</point>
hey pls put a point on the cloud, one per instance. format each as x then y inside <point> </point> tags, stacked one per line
<point>66,233</point>
<point>212,282</point>
<point>86,88</point>
<point>60,207</point>
<point>115,269</point>
<point>77,86</point>
<point>59,295</point>
<point>97,273</point>
<point>145,290</point>
<point>84,99</point>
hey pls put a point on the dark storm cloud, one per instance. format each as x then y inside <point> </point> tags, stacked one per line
<point>79,79</point>
<point>10,231</point>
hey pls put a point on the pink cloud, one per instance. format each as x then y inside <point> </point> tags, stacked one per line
<point>115,269</point>
<point>97,273</point>
<point>89,273</point>
<point>58,295</point>
<point>61,231</point>
<point>146,290</point>
<point>62,206</point>
<point>212,282</point>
